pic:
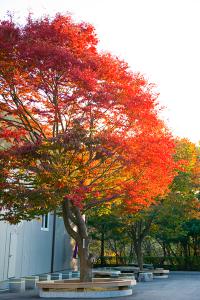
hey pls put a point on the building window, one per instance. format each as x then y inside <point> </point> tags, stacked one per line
<point>45,222</point>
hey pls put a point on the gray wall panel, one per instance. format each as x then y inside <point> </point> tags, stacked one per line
<point>3,250</point>
<point>34,248</point>
<point>63,249</point>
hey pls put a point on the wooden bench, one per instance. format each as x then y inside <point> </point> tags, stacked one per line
<point>73,288</point>
<point>160,273</point>
<point>106,273</point>
<point>127,269</point>
<point>128,275</point>
<point>76,284</point>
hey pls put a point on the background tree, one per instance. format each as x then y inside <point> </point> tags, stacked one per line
<point>178,216</point>
<point>175,212</point>
<point>111,234</point>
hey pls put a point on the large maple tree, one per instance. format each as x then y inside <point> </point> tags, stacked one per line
<point>78,128</point>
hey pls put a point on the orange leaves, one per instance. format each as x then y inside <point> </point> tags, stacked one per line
<point>58,76</point>
<point>150,167</point>
<point>88,127</point>
<point>11,135</point>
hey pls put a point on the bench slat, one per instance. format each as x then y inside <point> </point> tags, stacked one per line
<point>64,285</point>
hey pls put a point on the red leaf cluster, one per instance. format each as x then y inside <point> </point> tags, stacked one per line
<point>53,80</point>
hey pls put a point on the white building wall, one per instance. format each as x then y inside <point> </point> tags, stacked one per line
<point>63,247</point>
<point>33,248</point>
<point>4,236</point>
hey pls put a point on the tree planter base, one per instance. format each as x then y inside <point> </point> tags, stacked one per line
<point>17,285</point>
<point>86,294</point>
<point>98,288</point>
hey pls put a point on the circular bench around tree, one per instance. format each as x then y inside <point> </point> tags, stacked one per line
<point>98,288</point>
<point>160,273</point>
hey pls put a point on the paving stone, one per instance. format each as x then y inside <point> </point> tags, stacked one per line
<point>179,286</point>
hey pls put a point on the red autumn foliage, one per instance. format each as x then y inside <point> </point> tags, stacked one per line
<point>53,77</point>
<point>78,128</point>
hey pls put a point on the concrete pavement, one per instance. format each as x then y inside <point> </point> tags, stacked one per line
<point>179,286</point>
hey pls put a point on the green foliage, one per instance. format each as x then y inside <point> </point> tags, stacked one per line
<point>175,263</point>
<point>111,234</point>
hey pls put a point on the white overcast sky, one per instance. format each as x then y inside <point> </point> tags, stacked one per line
<point>159,38</point>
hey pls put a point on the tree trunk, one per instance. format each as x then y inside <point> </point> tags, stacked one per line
<point>185,250</point>
<point>138,231</point>
<point>164,253</point>
<point>195,243</point>
<point>102,249</point>
<point>131,253</point>
<point>73,218</point>
<point>139,254</point>
<point>85,262</point>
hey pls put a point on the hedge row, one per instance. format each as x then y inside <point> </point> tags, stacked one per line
<point>178,263</point>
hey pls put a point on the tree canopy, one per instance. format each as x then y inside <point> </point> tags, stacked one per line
<point>78,128</point>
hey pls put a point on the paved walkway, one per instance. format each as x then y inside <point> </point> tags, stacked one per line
<point>179,286</point>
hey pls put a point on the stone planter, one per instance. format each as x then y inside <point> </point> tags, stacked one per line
<point>75,274</point>
<point>44,277</point>
<point>30,282</point>
<point>17,285</point>
<point>56,276</point>
<point>145,276</point>
<point>66,275</point>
